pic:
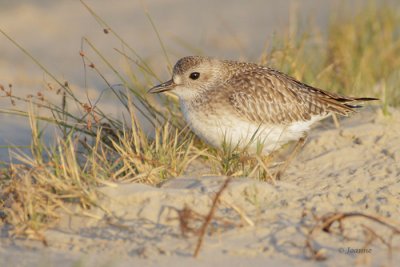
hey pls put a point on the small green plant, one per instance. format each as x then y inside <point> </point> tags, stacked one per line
<point>235,160</point>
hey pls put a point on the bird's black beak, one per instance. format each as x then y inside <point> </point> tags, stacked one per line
<point>167,86</point>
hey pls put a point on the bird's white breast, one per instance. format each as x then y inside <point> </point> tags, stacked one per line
<point>236,131</point>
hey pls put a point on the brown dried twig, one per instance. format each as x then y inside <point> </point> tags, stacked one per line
<point>325,222</point>
<point>187,220</point>
<point>209,216</point>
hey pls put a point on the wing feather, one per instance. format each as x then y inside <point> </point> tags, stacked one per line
<point>273,97</point>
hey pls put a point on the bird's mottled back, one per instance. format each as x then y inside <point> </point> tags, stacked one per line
<point>272,97</point>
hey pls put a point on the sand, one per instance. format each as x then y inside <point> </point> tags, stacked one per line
<point>353,168</point>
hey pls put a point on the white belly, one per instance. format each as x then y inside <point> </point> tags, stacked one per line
<point>234,131</point>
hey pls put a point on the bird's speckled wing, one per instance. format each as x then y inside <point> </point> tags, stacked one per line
<point>270,96</point>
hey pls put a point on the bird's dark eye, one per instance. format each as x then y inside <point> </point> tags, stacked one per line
<point>194,75</point>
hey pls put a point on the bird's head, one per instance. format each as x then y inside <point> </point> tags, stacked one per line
<point>191,76</point>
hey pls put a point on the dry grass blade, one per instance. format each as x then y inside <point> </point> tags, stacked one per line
<point>241,213</point>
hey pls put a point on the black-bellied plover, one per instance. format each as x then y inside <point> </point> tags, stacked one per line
<point>249,105</point>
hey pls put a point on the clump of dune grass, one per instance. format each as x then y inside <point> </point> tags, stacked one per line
<point>359,55</point>
<point>235,160</point>
<point>364,54</point>
<point>36,190</point>
<point>152,161</point>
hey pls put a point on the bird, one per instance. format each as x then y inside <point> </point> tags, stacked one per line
<point>247,105</point>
